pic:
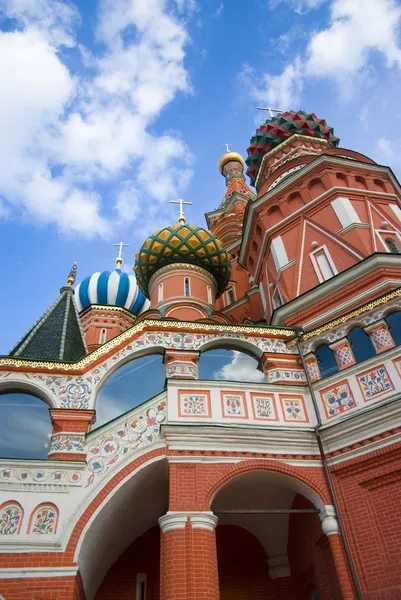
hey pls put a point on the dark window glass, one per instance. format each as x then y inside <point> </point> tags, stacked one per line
<point>361,344</point>
<point>327,361</point>
<point>393,246</point>
<point>394,322</point>
<point>186,284</point>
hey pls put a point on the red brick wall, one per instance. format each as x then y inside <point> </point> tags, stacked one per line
<point>57,588</point>
<point>143,556</point>
<point>309,555</point>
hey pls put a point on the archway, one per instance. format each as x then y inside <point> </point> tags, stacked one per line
<point>223,364</point>
<point>129,386</point>
<point>274,517</point>
<point>25,426</point>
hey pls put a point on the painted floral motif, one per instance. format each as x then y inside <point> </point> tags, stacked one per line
<point>10,519</point>
<point>264,407</point>
<point>344,356</point>
<point>313,369</point>
<point>141,429</point>
<point>72,392</point>
<point>182,369</point>
<point>67,443</point>
<point>45,521</point>
<point>374,383</point>
<point>194,405</point>
<point>233,405</point>
<point>294,409</point>
<point>381,338</point>
<point>338,400</point>
<point>279,375</point>
<point>50,476</point>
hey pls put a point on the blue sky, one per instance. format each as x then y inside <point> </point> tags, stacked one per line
<point>111,108</point>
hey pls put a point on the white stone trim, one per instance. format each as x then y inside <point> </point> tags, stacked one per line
<point>177,520</point>
<point>329,520</point>
<point>279,253</point>
<point>36,572</point>
<point>279,566</point>
<point>345,211</point>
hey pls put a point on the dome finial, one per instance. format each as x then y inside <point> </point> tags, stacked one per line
<point>119,259</point>
<point>271,110</point>
<point>73,273</point>
<point>181,216</point>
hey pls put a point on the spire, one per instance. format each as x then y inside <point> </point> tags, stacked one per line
<point>231,166</point>
<point>57,334</point>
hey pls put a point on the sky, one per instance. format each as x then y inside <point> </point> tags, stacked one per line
<point>109,109</point>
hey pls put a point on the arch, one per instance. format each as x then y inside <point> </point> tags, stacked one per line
<point>316,187</point>
<point>342,179</point>
<point>232,366</point>
<point>11,517</point>
<point>315,492</point>
<point>326,360</point>
<point>109,515</point>
<point>380,185</point>
<point>393,320</point>
<point>103,335</point>
<point>236,345</point>
<point>44,519</point>
<point>187,287</point>
<point>361,344</point>
<point>275,214</point>
<point>13,384</point>
<point>360,182</point>
<point>295,201</point>
<point>392,245</point>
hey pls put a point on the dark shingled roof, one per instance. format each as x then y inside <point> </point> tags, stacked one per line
<point>57,335</point>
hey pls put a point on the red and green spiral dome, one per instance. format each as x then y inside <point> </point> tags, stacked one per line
<point>281,127</point>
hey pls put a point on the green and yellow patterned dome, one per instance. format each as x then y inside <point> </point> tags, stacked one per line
<point>182,243</point>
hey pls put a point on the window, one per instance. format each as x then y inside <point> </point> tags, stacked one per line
<point>141,586</point>
<point>103,335</point>
<point>277,298</point>
<point>394,322</point>
<point>323,264</point>
<point>327,362</point>
<point>186,287</point>
<point>230,296</point>
<point>361,344</point>
<point>160,293</point>
<point>209,295</point>
<point>392,246</point>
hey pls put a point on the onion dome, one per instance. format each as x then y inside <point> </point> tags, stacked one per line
<point>279,128</point>
<point>182,243</point>
<point>229,157</point>
<point>114,288</point>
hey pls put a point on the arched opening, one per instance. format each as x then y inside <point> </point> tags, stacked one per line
<point>132,384</point>
<point>392,245</point>
<point>25,426</point>
<point>264,548</point>
<point>316,187</point>
<point>379,184</point>
<point>394,323</point>
<point>361,344</point>
<point>360,182</point>
<point>327,361</point>
<point>295,201</point>
<point>103,335</point>
<point>342,179</point>
<point>229,365</point>
<point>187,289</point>
<point>275,214</point>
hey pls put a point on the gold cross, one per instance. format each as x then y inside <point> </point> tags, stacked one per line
<point>271,110</point>
<point>181,216</point>
<point>119,259</point>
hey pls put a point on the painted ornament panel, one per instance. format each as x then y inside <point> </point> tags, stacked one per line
<point>10,519</point>
<point>344,356</point>
<point>294,408</point>
<point>194,404</point>
<point>375,383</point>
<point>182,369</point>
<point>233,405</point>
<point>45,521</point>
<point>338,399</point>
<point>381,338</point>
<point>264,407</point>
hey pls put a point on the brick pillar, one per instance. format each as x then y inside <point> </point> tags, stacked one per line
<point>330,528</point>
<point>70,426</point>
<point>181,364</point>
<point>343,353</point>
<point>188,561</point>
<point>380,336</point>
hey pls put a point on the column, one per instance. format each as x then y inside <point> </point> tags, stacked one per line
<point>188,562</point>
<point>313,366</point>
<point>70,426</point>
<point>181,364</point>
<point>330,528</point>
<point>343,353</point>
<point>380,336</point>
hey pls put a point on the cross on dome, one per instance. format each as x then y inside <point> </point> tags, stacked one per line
<point>119,259</point>
<point>181,216</point>
<point>227,147</point>
<point>271,110</point>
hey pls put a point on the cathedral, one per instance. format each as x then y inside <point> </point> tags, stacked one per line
<point>285,488</point>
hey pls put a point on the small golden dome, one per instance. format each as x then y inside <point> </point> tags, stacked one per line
<point>229,156</point>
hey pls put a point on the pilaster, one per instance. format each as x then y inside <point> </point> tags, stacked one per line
<point>343,353</point>
<point>380,336</point>
<point>181,364</point>
<point>68,440</point>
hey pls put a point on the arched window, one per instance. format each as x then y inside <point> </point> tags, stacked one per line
<point>230,296</point>
<point>44,520</point>
<point>187,291</point>
<point>103,334</point>
<point>229,365</point>
<point>393,246</point>
<point>277,298</point>
<point>394,322</point>
<point>327,362</point>
<point>160,293</point>
<point>361,344</point>
<point>209,295</point>
<point>11,515</point>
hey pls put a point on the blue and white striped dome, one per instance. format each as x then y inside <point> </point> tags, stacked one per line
<point>112,289</point>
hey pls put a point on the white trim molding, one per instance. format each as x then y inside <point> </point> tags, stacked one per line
<point>329,520</point>
<point>177,520</point>
<point>35,572</point>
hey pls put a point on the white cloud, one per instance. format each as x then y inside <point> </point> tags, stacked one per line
<point>241,368</point>
<point>64,133</point>
<point>386,147</point>
<point>299,6</point>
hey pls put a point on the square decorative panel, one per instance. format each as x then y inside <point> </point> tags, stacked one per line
<point>294,408</point>
<point>375,382</point>
<point>233,405</point>
<point>397,364</point>
<point>264,407</point>
<point>194,403</point>
<point>381,338</point>
<point>337,399</point>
